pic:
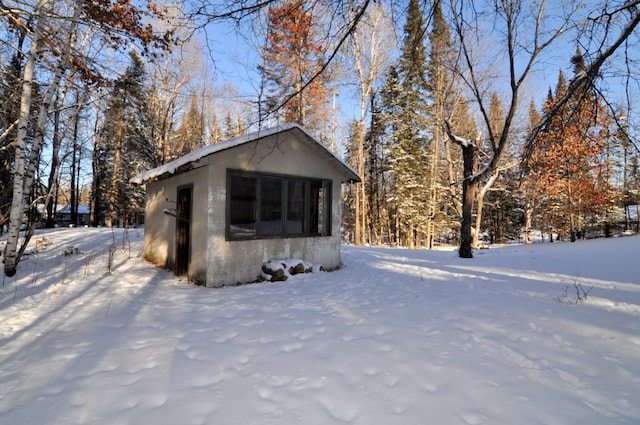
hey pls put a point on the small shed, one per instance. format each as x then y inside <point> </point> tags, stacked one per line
<point>218,213</point>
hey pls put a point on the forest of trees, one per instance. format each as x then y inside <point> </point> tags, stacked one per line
<point>455,133</point>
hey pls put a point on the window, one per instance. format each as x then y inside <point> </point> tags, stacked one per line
<point>243,202</point>
<point>295,206</point>
<point>270,206</point>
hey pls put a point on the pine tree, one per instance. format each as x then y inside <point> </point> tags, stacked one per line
<point>376,186</point>
<point>292,60</point>
<point>215,132</point>
<point>409,159</point>
<point>441,89</point>
<point>191,132</point>
<point>229,126</point>
<point>8,116</point>
<point>386,124</point>
<point>125,148</point>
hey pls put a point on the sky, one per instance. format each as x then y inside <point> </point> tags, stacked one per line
<point>235,53</point>
<point>396,336</point>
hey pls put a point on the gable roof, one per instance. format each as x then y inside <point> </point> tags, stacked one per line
<point>174,166</point>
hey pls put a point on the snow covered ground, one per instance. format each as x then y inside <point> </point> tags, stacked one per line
<point>395,337</point>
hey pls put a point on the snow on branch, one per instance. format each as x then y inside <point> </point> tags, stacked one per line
<point>465,143</point>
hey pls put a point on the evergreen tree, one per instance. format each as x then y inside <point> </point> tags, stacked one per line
<point>191,132</point>
<point>125,149</point>
<point>409,160</point>
<point>376,186</point>
<point>229,126</point>
<point>215,132</point>
<point>496,206</point>
<point>292,59</point>
<point>8,116</point>
<point>386,124</point>
<point>349,210</point>
<point>441,88</point>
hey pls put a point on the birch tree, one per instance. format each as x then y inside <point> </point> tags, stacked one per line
<point>51,30</point>
<point>367,54</point>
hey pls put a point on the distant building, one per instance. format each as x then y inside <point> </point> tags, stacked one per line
<point>63,215</point>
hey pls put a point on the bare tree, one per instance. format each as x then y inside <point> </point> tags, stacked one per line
<point>526,35</point>
<point>343,18</point>
<point>52,30</point>
<point>368,53</point>
<point>524,39</point>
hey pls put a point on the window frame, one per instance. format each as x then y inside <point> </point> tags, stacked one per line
<point>322,207</point>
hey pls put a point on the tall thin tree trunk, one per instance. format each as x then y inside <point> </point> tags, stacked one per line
<point>528,221</point>
<point>452,184</point>
<point>113,197</point>
<point>480,204</point>
<point>55,166</point>
<point>96,167</point>
<point>468,195</point>
<point>73,204</point>
<point>18,201</point>
<point>361,219</point>
<point>26,168</point>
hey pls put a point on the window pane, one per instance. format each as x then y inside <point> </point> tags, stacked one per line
<point>295,207</point>
<point>314,207</point>
<point>319,208</point>
<point>270,206</point>
<point>242,205</point>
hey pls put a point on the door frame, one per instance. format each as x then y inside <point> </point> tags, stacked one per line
<point>184,212</point>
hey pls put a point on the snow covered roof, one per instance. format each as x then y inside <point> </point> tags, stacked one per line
<point>173,166</point>
<point>66,209</point>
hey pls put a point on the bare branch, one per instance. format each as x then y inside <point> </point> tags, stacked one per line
<point>351,27</point>
<point>239,11</point>
<point>465,143</point>
<point>6,132</point>
<point>585,79</point>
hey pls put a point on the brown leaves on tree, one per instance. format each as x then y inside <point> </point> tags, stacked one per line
<point>123,21</point>
<point>292,60</point>
<point>569,166</point>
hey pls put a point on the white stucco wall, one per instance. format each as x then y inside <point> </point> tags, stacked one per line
<point>214,260</point>
<point>160,228</point>
<point>231,262</point>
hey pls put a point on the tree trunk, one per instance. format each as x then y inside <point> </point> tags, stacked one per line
<point>55,166</point>
<point>18,200</point>
<point>468,193</point>
<point>433,190</point>
<point>452,184</point>
<point>360,226</point>
<point>480,204</point>
<point>528,220</point>
<point>73,204</point>
<point>25,169</point>
<point>95,218</point>
<point>111,219</point>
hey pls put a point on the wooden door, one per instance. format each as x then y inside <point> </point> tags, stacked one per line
<point>183,230</point>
